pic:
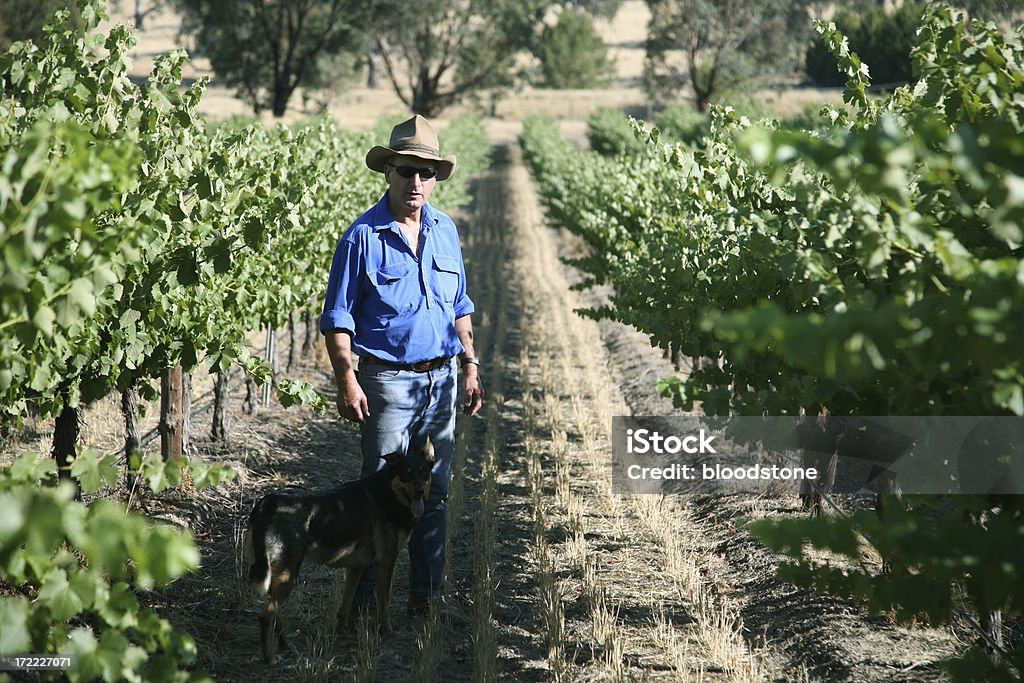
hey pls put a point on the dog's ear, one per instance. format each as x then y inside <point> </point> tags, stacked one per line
<point>394,459</point>
<point>428,451</point>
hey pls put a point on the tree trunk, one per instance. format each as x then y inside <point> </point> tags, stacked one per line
<point>132,431</point>
<point>250,405</point>
<point>703,99</point>
<point>424,97</point>
<point>281,95</point>
<point>307,343</point>
<point>219,430</point>
<point>271,356</point>
<point>171,427</point>
<point>291,340</point>
<point>140,15</point>
<point>130,412</point>
<point>186,413</point>
<point>373,70</point>
<point>65,437</point>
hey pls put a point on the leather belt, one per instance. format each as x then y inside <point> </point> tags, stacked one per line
<point>422,366</point>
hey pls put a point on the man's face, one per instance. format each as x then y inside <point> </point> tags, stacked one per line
<point>414,191</point>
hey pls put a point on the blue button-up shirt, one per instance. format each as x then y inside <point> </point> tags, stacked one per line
<point>400,307</point>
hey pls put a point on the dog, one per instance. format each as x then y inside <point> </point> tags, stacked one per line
<point>360,524</point>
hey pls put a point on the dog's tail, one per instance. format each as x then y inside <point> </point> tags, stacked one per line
<point>259,570</point>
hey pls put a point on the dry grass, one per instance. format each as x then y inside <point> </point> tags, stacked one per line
<point>429,649</point>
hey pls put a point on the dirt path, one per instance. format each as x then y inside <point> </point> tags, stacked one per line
<point>555,576</point>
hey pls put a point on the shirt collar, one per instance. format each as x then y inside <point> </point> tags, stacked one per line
<point>384,220</point>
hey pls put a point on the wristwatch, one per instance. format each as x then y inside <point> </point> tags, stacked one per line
<point>469,360</point>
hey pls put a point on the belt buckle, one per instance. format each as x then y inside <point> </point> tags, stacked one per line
<point>423,366</point>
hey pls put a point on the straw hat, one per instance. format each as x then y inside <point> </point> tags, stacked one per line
<point>412,138</point>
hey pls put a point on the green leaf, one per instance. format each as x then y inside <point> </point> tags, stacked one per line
<point>83,644</point>
<point>14,632</point>
<point>162,475</point>
<point>90,587</point>
<point>121,607</point>
<point>205,475</point>
<point>94,470</point>
<point>55,592</point>
<point>163,554</point>
<point>43,320</point>
<point>32,468</point>
<point>108,529</point>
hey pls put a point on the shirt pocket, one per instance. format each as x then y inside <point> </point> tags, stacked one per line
<point>446,274</point>
<point>389,285</point>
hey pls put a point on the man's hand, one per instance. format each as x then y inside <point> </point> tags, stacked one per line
<point>474,390</point>
<point>351,400</point>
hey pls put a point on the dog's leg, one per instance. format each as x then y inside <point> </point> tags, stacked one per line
<point>283,591</point>
<point>384,572</point>
<point>271,626</point>
<point>352,576</point>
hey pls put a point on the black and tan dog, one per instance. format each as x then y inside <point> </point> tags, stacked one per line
<point>360,524</point>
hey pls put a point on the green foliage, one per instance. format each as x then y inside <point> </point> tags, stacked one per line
<point>683,124</point>
<point>466,138</point>
<point>158,474</point>
<point>981,559</point>
<point>610,134</point>
<point>872,266</point>
<point>722,45</point>
<point>58,258</point>
<point>454,48</point>
<point>24,19</point>
<point>882,38</point>
<point>235,122</point>
<point>84,565</point>
<point>572,54</point>
<point>922,574</point>
<point>826,281</point>
<point>268,50</point>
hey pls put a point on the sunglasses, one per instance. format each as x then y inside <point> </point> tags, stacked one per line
<point>410,171</point>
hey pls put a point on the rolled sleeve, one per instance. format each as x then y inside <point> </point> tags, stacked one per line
<point>464,306</point>
<point>342,288</point>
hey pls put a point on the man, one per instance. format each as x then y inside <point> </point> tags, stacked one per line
<point>397,298</point>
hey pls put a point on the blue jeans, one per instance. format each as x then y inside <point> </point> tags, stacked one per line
<point>405,408</point>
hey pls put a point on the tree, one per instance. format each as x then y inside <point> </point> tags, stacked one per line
<point>572,54</point>
<point>141,11</point>
<point>436,52</point>
<point>24,19</point>
<point>268,48</point>
<point>715,45</point>
<point>882,39</point>
<point>992,10</point>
